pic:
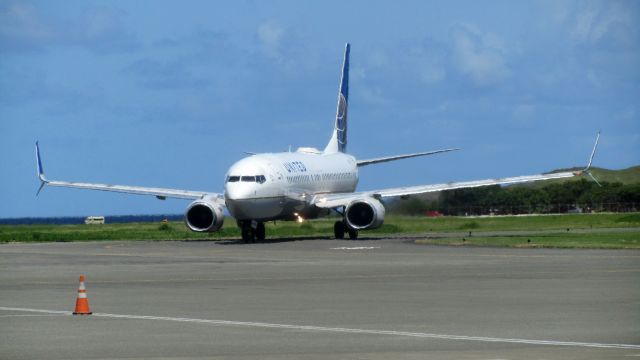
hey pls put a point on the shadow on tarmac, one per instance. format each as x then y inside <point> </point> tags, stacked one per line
<point>289,239</point>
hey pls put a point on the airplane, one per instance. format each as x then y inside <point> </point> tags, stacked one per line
<point>299,185</point>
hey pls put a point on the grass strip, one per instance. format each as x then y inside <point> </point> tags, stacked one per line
<point>613,240</point>
<point>394,225</point>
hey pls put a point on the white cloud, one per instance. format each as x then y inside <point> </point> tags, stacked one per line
<point>428,60</point>
<point>433,72</point>
<point>372,95</point>
<point>558,11</point>
<point>479,55</point>
<point>629,114</point>
<point>378,58</point>
<point>583,25</point>
<point>287,47</point>
<point>165,74</point>
<point>357,72</point>
<point>270,35</point>
<point>608,23</point>
<point>21,27</point>
<point>524,113</point>
<point>101,30</point>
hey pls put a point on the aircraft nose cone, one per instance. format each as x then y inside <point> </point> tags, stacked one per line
<point>232,191</point>
<point>239,190</point>
<point>241,181</point>
<point>240,199</point>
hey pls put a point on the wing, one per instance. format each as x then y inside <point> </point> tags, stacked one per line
<point>336,200</point>
<point>160,193</point>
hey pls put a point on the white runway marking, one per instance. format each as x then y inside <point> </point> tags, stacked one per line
<point>356,248</point>
<point>341,330</point>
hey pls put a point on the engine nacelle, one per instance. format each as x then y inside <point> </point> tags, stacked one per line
<point>365,214</point>
<point>204,216</point>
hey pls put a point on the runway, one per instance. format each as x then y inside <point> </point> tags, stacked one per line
<point>317,299</point>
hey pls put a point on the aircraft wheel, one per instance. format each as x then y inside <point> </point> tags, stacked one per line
<point>353,234</point>
<point>338,230</point>
<point>260,232</point>
<point>248,235</point>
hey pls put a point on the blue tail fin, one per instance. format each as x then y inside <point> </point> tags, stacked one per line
<point>338,142</point>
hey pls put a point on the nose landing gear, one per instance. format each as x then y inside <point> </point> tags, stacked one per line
<point>252,231</point>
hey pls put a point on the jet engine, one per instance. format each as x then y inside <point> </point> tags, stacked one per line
<point>204,216</point>
<point>365,214</point>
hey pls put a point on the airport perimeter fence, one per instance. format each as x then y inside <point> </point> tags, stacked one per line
<point>471,210</point>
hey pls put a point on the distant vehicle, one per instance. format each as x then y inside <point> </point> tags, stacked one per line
<point>299,185</point>
<point>92,220</point>
<point>433,213</point>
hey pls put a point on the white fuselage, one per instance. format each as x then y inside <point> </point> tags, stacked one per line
<point>279,185</point>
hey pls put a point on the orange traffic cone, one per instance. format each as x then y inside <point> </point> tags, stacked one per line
<point>82,303</point>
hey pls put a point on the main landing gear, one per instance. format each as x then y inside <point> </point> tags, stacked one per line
<point>252,231</point>
<point>339,228</point>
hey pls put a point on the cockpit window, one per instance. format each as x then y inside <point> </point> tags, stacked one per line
<point>260,179</point>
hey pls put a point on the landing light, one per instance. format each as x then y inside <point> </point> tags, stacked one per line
<point>299,219</point>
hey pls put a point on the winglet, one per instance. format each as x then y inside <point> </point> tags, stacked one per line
<point>587,169</point>
<point>593,152</point>
<point>43,179</point>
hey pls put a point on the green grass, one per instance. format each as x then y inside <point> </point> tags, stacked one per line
<point>130,231</point>
<point>604,240</point>
<point>410,224</point>
<point>324,228</point>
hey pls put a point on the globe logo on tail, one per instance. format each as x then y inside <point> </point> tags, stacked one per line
<point>341,123</point>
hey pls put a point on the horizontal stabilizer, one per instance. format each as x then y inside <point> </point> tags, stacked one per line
<point>398,157</point>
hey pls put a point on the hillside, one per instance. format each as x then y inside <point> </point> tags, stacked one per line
<point>626,176</point>
<point>620,191</point>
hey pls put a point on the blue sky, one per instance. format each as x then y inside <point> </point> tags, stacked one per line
<point>170,94</point>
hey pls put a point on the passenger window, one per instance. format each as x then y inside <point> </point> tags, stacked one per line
<point>248,179</point>
<point>233,179</point>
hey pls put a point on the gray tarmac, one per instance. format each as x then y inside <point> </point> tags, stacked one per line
<point>317,299</point>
